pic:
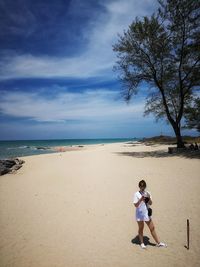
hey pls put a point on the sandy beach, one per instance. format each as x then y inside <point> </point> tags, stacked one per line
<point>74,208</point>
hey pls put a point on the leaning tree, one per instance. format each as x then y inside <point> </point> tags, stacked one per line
<point>163,52</point>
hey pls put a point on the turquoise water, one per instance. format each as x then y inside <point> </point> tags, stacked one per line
<point>10,149</point>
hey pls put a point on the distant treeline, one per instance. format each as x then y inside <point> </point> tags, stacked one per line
<point>162,139</point>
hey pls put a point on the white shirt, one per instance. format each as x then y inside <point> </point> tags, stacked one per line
<point>141,211</point>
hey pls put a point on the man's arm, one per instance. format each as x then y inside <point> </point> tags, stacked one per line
<point>150,202</point>
<point>139,201</point>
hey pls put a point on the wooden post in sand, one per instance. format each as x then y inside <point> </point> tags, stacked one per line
<point>188,234</point>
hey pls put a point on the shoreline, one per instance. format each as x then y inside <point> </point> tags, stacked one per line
<point>13,149</point>
<point>155,151</point>
<point>38,147</point>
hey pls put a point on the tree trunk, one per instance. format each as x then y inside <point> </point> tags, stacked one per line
<point>179,139</point>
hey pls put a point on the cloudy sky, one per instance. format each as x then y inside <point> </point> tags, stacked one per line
<point>56,70</point>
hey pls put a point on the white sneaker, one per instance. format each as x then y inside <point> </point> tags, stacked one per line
<point>143,246</point>
<point>161,245</point>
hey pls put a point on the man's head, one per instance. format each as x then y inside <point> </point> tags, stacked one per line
<point>142,185</point>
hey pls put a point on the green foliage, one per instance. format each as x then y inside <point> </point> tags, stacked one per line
<point>192,115</point>
<point>164,52</point>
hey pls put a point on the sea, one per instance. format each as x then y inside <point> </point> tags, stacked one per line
<point>21,148</point>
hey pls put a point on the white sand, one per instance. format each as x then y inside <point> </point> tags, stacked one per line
<point>75,209</point>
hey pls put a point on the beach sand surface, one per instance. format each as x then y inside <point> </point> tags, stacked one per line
<point>75,209</point>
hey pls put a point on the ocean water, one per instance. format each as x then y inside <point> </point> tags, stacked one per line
<point>11,149</point>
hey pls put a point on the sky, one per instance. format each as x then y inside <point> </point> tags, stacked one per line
<point>56,71</point>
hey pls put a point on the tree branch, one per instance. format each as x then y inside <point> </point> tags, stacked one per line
<point>179,70</point>
<point>191,69</point>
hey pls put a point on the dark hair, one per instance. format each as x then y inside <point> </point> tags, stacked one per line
<point>142,183</point>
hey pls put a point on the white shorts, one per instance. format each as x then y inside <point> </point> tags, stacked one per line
<point>143,219</point>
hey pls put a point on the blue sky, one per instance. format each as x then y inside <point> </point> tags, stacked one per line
<point>56,70</point>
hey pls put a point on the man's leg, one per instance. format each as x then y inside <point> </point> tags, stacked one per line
<point>140,231</point>
<point>152,230</point>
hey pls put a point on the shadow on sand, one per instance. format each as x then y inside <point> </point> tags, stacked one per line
<point>136,241</point>
<point>162,154</point>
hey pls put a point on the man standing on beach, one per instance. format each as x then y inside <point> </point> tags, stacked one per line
<point>142,200</point>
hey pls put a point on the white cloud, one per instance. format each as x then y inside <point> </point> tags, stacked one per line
<point>88,114</point>
<point>97,59</point>
<point>99,105</point>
